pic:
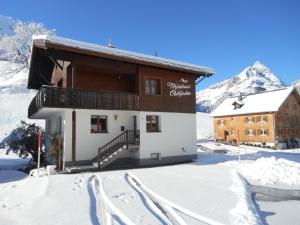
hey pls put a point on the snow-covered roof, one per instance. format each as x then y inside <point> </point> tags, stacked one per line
<point>46,40</point>
<point>269,101</point>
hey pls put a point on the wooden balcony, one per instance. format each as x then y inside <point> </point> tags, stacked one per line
<point>55,97</point>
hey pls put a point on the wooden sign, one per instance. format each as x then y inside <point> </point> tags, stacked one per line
<point>180,88</point>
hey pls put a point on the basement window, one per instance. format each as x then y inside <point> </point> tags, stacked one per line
<point>155,156</point>
<point>152,123</point>
<point>98,124</point>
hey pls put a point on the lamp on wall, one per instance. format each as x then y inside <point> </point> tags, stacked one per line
<point>115,116</point>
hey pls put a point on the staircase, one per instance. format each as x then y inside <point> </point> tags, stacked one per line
<point>108,153</point>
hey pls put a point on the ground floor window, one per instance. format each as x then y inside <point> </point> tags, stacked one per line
<point>263,132</point>
<point>152,123</point>
<point>98,124</point>
<point>250,132</point>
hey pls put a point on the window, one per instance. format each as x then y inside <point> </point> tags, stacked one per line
<point>250,119</point>
<point>263,132</point>
<point>231,132</point>
<point>222,122</point>
<point>262,119</point>
<point>98,124</point>
<point>153,86</point>
<point>250,132</point>
<point>152,123</point>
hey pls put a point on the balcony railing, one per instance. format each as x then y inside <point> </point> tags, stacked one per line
<point>55,97</point>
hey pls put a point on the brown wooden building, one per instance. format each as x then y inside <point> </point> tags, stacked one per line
<point>268,118</point>
<point>98,99</point>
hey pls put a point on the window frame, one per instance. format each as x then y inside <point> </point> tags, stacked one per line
<point>250,119</point>
<point>97,131</point>
<point>250,133</point>
<point>159,86</point>
<point>262,119</point>
<point>264,133</point>
<point>157,119</point>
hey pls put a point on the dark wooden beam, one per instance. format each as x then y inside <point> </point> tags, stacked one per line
<point>92,61</point>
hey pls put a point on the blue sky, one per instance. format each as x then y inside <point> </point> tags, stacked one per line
<point>225,35</point>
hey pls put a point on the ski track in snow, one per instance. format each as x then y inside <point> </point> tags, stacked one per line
<point>104,212</point>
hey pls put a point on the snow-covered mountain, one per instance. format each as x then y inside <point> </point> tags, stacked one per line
<point>297,85</point>
<point>254,78</point>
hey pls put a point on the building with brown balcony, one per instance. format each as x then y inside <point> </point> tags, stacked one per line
<point>104,105</point>
<point>268,118</point>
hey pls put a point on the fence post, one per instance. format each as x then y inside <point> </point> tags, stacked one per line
<point>126,139</point>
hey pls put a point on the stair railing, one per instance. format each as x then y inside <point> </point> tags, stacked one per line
<point>109,148</point>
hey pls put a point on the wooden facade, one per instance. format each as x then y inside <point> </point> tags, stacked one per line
<point>111,76</point>
<point>282,126</point>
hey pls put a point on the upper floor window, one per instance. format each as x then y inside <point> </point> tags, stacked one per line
<point>221,122</point>
<point>250,119</point>
<point>98,124</point>
<point>153,86</point>
<point>152,123</point>
<point>262,119</point>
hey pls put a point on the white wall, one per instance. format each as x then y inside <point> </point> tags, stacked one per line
<point>177,136</point>
<point>178,131</point>
<point>87,143</point>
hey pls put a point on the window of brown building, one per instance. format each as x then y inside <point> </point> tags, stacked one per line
<point>152,123</point>
<point>249,119</point>
<point>250,132</point>
<point>153,87</point>
<point>98,124</point>
<point>263,132</point>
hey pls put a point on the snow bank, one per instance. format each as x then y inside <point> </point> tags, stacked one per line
<point>245,212</point>
<point>272,171</point>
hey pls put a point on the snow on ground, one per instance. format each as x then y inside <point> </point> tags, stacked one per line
<point>208,191</point>
<point>205,128</point>
<point>277,169</point>
<point>272,171</point>
<point>202,193</point>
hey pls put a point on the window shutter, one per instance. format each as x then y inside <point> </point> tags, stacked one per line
<point>246,119</point>
<point>266,118</point>
<point>224,122</point>
<point>267,131</point>
<point>246,132</point>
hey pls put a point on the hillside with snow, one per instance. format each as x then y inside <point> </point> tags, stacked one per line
<point>14,98</point>
<point>257,77</point>
<point>15,37</point>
